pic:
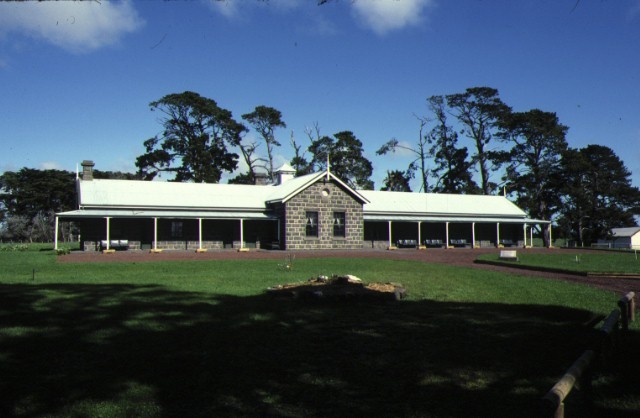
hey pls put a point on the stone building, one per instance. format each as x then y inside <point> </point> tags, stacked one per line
<point>315,211</point>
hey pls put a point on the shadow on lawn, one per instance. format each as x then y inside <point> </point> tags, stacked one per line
<point>120,350</point>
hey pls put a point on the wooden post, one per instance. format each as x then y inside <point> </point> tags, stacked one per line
<point>553,401</point>
<point>608,329</point>
<point>627,310</point>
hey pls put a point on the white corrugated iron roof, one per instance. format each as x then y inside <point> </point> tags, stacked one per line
<point>625,232</point>
<point>435,204</point>
<point>284,192</point>
<point>101,197</point>
<point>157,194</point>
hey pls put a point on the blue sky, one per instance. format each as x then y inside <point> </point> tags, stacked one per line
<point>77,77</point>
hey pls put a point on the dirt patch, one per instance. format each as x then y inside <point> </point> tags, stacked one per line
<point>339,288</point>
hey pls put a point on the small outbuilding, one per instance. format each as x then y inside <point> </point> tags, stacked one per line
<point>625,237</point>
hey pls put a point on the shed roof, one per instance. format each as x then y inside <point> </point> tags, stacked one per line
<point>625,232</point>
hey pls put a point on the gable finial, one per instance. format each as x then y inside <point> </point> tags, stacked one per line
<point>328,166</point>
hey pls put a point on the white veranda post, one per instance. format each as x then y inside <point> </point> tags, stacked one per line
<point>155,233</point>
<point>531,236</point>
<point>446,234</point>
<point>108,232</point>
<point>473,235</point>
<point>55,236</point>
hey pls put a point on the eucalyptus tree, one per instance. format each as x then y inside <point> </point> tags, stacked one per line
<point>265,120</point>
<point>596,192</point>
<point>195,142</point>
<point>345,155</point>
<point>452,170</point>
<point>537,142</point>
<point>419,151</point>
<point>480,110</point>
<point>299,161</point>
<point>397,181</point>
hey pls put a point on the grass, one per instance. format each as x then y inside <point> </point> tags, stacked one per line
<point>202,338</point>
<point>619,262</point>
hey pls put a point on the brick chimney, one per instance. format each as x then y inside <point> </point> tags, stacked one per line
<point>87,169</point>
<point>261,179</point>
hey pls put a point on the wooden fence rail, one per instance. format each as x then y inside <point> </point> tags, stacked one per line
<point>580,373</point>
<point>553,401</point>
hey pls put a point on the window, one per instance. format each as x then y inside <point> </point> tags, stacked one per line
<point>338,224</point>
<point>311,229</point>
<point>176,229</point>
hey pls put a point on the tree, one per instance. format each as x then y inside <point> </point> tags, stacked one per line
<point>597,194</point>
<point>29,191</point>
<point>419,163</point>
<point>116,175</point>
<point>29,199</point>
<point>397,181</point>
<point>299,162</point>
<point>265,120</point>
<point>480,110</point>
<point>346,157</point>
<point>253,162</point>
<point>194,142</point>
<point>452,167</point>
<point>538,142</point>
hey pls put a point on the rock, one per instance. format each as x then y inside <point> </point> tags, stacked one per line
<point>350,278</point>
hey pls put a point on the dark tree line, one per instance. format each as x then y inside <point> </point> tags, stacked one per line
<point>29,199</point>
<point>525,153</point>
<point>468,143</point>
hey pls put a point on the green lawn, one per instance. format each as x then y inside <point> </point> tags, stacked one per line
<point>203,339</point>
<point>585,262</point>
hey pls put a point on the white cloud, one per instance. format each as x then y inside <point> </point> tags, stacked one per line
<point>226,8</point>
<point>77,27</point>
<point>233,9</point>
<point>383,16</point>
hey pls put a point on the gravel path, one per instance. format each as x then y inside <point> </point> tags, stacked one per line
<point>463,257</point>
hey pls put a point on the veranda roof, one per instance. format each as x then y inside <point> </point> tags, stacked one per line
<point>167,214</point>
